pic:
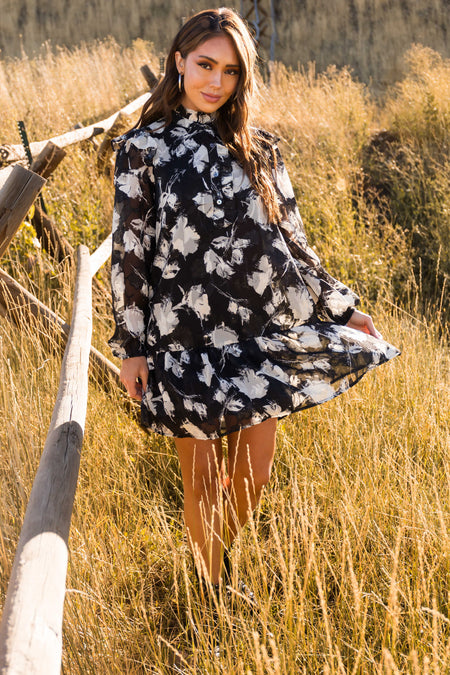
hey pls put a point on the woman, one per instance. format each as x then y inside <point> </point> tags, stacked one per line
<point>225,319</point>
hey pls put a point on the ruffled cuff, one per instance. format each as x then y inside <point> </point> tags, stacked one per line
<point>125,346</point>
<point>345,318</point>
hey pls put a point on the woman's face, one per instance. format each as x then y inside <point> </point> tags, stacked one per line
<point>211,74</point>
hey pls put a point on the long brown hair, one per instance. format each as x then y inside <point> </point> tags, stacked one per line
<point>250,148</point>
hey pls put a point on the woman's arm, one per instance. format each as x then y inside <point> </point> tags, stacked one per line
<point>133,232</point>
<point>334,301</point>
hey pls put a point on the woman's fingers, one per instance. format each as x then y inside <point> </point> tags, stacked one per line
<point>134,375</point>
<point>144,376</point>
<point>372,330</point>
<point>364,323</point>
<point>133,388</point>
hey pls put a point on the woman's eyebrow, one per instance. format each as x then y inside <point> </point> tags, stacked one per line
<point>229,65</point>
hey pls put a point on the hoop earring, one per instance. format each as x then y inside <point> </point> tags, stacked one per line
<point>180,81</point>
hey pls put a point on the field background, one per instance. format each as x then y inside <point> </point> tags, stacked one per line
<point>369,36</point>
<point>349,551</point>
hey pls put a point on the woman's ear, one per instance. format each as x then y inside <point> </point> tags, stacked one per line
<point>179,62</point>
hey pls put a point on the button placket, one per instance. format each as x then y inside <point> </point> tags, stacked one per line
<point>221,171</point>
<point>216,191</point>
<point>216,184</point>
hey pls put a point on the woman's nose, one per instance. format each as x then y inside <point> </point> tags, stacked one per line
<point>216,79</point>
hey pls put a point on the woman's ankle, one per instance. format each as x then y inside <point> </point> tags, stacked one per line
<point>204,582</point>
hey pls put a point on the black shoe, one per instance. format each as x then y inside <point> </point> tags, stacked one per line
<point>212,642</point>
<point>210,596</point>
<point>207,590</point>
<point>241,587</point>
<point>206,634</point>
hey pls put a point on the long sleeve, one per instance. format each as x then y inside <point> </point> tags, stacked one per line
<point>334,301</point>
<point>133,233</point>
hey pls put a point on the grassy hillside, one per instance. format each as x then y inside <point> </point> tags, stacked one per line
<point>348,552</point>
<point>371,37</point>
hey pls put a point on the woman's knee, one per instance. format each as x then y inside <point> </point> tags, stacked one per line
<point>253,479</point>
<point>204,479</point>
<point>200,465</point>
<point>261,476</point>
<point>252,453</point>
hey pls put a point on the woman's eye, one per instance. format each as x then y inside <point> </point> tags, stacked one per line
<point>207,66</point>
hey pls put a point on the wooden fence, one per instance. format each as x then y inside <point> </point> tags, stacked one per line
<point>31,624</point>
<point>14,153</point>
<point>31,628</point>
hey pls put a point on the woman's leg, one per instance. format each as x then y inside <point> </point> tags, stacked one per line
<point>202,471</point>
<point>250,458</point>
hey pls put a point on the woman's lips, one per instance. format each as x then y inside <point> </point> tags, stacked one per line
<point>210,97</point>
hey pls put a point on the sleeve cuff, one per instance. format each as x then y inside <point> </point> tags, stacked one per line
<point>345,317</point>
<point>126,346</point>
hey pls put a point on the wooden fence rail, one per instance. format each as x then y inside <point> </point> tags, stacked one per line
<point>23,308</point>
<point>31,626</point>
<point>14,153</point>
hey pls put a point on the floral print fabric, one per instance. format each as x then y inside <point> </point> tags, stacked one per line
<point>235,315</point>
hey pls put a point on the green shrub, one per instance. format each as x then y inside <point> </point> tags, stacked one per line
<point>407,169</point>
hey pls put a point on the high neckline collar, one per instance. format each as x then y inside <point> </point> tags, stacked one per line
<point>191,116</point>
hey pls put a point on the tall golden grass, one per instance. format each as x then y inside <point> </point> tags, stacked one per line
<point>348,552</point>
<point>371,37</point>
<point>55,91</point>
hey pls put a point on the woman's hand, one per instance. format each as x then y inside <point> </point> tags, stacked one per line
<point>363,322</point>
<point>132,369</point>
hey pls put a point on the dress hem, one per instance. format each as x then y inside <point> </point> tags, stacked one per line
<point>353,378</point>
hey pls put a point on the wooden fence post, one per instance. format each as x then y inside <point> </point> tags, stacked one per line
<point>19,188</point>
<point>31,627</point>
<point>149,76</point>
<point>105,150</point>
<point>50,237</point>
<point>48,159</point>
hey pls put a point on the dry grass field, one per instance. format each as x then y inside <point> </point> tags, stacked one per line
<point>371,37</point>
<point>348,553</point>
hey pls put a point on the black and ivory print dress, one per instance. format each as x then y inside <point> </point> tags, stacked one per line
<point>235,315</point>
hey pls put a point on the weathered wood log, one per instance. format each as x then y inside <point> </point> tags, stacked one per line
<point>47,160</point>
<point>13,153</point>
<point>31,627</point>
<point>101,255</point>
<point>24,309</point>
<point>50,237</point>
<point>105,150</point>
<point>18,190</point>
<point>149,76</point>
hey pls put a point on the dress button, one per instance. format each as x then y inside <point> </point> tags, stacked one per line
<point>219,202</point>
